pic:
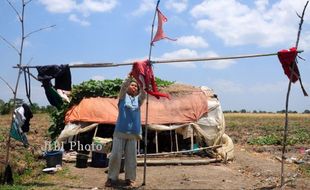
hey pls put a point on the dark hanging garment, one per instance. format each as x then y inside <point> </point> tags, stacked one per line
<point>63,81</point>
<point>62,76</point>
<point>28,115</point>
<point>52,96</point>
<point>61,73</point>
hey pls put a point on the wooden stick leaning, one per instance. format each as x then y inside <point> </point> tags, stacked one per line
<point>20,66</point>
<point>20,70</point>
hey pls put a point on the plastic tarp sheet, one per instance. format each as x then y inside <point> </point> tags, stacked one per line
<point>179,109</point>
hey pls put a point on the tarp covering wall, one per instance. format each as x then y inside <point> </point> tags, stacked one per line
<point>179,109</point>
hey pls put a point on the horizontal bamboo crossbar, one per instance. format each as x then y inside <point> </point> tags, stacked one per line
<point>110,64</point>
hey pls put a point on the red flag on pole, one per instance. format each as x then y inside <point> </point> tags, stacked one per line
<point>160,32</point>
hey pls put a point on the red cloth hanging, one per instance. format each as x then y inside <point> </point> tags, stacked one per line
<point>144,69</point>
<point>160,32</point>
<point>287,59</point>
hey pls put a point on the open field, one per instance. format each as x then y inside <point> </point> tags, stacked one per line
<point>257,140</point>
<point>244,127</point>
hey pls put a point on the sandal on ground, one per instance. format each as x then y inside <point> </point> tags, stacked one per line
<point>130,183</point>
<point>108,183</point>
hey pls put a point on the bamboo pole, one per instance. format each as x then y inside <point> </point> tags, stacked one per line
<point>178,162</point>
<point>285,132</point>
<point>183,151</point>
<point>176,140</point>
<point>20,61</point>
<point>138,146</point>
<point>192,139</point>
<point>147,99</point>
<point>156,141</point>
<point>165,61</point>
<point>171,141</point>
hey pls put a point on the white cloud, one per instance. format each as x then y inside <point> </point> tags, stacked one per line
<point>145,6</point>
<point>59,6</point>
<point>98,77</point>
<point>227,86</point>
<point>179,54</point>
<point>268,88</point>
<point>261,4</point>
<point>97,6</point>
<point>75,18</point>
<point>264,24</point>
<point>221,64</point>
<point>305,41</point>
<point>192,54</point>
<point>192,41</point>
<point>75,7</point>
<point>176,5</point>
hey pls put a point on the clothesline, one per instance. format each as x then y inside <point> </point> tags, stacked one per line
<point>111,64</point>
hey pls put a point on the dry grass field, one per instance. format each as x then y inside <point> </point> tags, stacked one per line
<point>252,128</point>
<point>257,138</point>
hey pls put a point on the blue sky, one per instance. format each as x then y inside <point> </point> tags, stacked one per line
<point>116,31</point>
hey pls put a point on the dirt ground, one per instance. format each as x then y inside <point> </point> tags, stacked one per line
<point>249,170</point>
<point>254,167</point>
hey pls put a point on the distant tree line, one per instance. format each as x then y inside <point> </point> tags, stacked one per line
<point>7,107</point>
<point>255,111</point>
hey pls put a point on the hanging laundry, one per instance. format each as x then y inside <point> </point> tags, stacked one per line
<point>17,133</point>
<point>160,32</point>
<point>61,73</point>
<point>64,94</point>
<point>52,95</point>
<point>287,59</point>
<point>28,115</point>
<point>21,116</point>
<point>143,73</point>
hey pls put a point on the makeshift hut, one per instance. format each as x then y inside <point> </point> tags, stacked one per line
<point>191,116</point>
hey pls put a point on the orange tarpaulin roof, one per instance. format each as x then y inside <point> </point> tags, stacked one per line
<point>179,109</point>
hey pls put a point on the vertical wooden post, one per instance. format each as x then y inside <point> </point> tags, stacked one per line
<point>192,140</point>
<point>285,132</point>
<point>147,99</point>
<point>176,140</point>
<point>156,140</point>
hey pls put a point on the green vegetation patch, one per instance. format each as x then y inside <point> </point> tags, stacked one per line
<point>271,139</point>
<point>305,169</point>
<point>298,136</point>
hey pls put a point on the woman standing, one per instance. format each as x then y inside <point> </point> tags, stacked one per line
<point>127,132</point>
